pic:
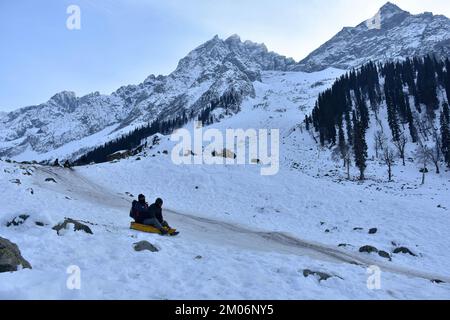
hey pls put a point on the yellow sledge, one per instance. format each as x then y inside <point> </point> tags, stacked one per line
<point>150,229</point>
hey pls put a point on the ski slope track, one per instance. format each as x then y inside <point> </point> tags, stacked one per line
<point>217,232</point>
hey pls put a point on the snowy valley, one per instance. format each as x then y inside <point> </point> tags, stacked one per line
<point>307,232</point>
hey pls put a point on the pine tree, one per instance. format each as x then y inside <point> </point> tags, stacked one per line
<point>360,146</point>
<point>341,135</point>
<point>447,79</point>
<point>349,129</point>
<point>445,133</point>
<point>307,122</point>
<point>410,119</point>
<point>392,113</point>
<point>426,84</point>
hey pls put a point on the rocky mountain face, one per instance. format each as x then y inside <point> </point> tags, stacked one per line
<point>71,124</point>
<point>208,72</point>
<point>391,34</point>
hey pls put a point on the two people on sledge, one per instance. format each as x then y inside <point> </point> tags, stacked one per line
<point>151,215</point>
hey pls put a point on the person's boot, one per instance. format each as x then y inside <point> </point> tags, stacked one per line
<point>163,231</point>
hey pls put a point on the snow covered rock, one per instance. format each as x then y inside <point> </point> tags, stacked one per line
<point>404,250</point>
<point>322,276</point>
<point>145,245</point>
<point>368,249</point>
<point>18,220</point>
<point>16,181</point>
<point>10,257</point>
<point>385,255</point>
<point>77,226</point>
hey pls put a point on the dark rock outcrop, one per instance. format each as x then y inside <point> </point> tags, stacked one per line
<point>145,246</point>
<point>77,226</point>
<point>10,257</point>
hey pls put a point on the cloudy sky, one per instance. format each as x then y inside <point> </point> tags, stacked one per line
<point>123,41</point>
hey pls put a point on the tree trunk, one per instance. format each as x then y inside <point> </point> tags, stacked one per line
<point>348,170</point>
<point>390,173</point>
<point>403,158</point>
<point>361,175</point>
<point>423,175</point>
<point>437,168</point>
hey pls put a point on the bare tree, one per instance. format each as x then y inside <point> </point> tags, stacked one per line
<point>343,153</point>
<point>423,126</point>
<point>423,157</point>
<point>435,155</point>
<point>380,142</point>
<point>389,159</point>
<point>400,144</point>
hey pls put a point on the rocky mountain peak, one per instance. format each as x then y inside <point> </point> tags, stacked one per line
<point>391,34</point>
<point>66,100</point>
<point>391,9</point>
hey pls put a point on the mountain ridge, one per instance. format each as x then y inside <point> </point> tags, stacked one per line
<point>396,34</point>
<point>211,71</point>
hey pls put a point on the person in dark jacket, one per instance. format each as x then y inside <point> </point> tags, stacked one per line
<point>156,208</point>
<point>148,215</point>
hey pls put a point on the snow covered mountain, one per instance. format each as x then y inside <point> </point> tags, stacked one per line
<point>308,232</point>
<point>68,126</point>
<point>208,72</point>
<point>392,34</point>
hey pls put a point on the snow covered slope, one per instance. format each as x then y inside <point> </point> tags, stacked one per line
<point>241,237</point>
<point>401,35</point>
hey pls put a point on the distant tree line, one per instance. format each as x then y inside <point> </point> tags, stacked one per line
<point>131,140</point>
<point>230,102</point>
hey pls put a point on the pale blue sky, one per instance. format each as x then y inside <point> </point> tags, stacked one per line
<point>123,41</point>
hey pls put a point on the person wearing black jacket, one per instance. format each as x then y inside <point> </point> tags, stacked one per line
<point>156,208</point>
<point>149,215</point>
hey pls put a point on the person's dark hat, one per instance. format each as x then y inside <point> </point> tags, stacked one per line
<point>159,202</point>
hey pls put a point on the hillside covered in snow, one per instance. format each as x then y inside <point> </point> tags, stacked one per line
<point>357,207</point>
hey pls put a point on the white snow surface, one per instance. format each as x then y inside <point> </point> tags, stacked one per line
<point>255,234</point>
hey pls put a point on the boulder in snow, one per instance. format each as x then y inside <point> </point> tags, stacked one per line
<point>17,221</point>
<point>16,181</point>
<point>322,276</point>
<point>145,245</point>
<point>404,250</point>
<point>385,255</point>
<point>368,249</point>
<point>10,257</point>
<point>77,226</point>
